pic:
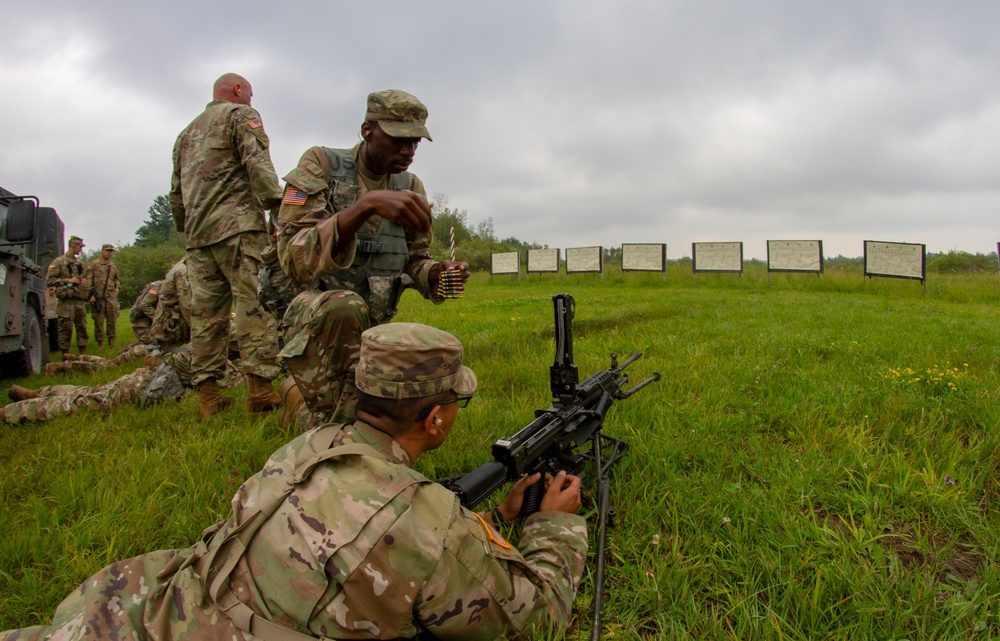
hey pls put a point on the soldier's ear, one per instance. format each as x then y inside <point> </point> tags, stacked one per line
<point>432,422</point>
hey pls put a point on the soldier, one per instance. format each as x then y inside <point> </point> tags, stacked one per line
<point>172,321</point>
<point>87,363</point>
<point>157,379</point>
<point>339,537</point>
<point>72,288</point>
<point>143,310</point>
<point>223,180</point>
<point>104,287</point>
<point>355,228</point>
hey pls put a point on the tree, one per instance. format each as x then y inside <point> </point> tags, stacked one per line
<point>159,228</point>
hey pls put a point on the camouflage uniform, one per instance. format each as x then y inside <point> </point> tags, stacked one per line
<point>72,308</point>
<point>353,543</point>
<point>223,181</point>
<point>64,400</point>
<point>143,310</point>
<point>172,321</point>
<point>323,325</point>
<point>104,283</point>
<point>87,363</point>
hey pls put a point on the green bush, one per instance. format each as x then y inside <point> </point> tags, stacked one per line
<point>959,262</point>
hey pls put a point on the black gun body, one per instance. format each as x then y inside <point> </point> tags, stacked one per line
<point>552,442</point>
<point>548,443</point>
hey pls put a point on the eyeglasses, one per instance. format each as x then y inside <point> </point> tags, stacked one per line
<point>461,401</point>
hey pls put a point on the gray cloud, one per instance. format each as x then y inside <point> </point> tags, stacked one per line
<point>569,123</point>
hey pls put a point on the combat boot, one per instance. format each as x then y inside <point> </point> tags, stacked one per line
<point>18,393</point>
<point>70,357</point>
<point>212,400</point>
<point>83,350</point>
<point>292,403</point>
<point>261,397</point>
<point>151,361</point>
<point>51,369</point>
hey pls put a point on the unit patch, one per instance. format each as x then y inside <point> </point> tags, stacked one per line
<point>491,532</point>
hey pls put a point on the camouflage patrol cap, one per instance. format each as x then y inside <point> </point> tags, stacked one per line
<point>107,246</point>
<point>398,113</point>
<point>75,239</point>
<point>410,360</point>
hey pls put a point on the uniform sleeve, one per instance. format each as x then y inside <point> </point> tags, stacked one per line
<point>148,305</point>
<point>55,278</point>
<point>175,196</point>
<point>485,588</point>
<point>252,144</point>
<point>420,262</point>
<point>307,232</point>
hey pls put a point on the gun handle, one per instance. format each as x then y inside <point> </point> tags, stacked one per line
<point>533,497</point>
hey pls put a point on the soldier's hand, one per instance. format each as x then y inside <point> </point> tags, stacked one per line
<point>447,265</point>
<point>407,208</point>
<point>563,494</point>
<point>511,508</point>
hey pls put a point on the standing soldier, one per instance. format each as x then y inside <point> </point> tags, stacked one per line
<point>104,286</point>
<point>223,181</point>
<point>66,276</point>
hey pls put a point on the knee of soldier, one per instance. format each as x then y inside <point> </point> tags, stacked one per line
<point>317,310</point>
<point>343,308</point>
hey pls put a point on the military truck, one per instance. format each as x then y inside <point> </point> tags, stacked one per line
<point>31,236</point>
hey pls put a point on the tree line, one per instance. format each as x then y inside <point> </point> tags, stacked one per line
<point>158,245</point>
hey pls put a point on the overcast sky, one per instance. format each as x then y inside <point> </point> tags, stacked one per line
<point>569,123</point>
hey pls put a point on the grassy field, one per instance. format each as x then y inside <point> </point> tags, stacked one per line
<point>820,461</point>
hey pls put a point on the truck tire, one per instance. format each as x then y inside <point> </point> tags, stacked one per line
<point>29,359</point>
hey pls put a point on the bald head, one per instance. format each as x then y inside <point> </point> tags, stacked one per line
<point>232,87</point>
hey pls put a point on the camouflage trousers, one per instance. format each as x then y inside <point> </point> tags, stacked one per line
<point>86,363</point>
<point>322,346</point>
<point>145,597</point>
<point>64,400</point>
<point>72,311</point>
<point>222,274</point>
<point>105,312</point>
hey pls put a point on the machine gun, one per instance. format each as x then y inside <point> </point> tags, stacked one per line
<point>563,437</point>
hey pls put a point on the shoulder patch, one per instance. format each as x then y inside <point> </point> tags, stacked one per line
<point>491,532</point>
<point>294,196</point>
<point>255,123</point>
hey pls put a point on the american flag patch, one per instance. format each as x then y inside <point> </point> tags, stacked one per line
<point>255,123</point>
<point>294,197</point>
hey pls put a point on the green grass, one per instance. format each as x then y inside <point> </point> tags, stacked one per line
<point>820,461</point>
